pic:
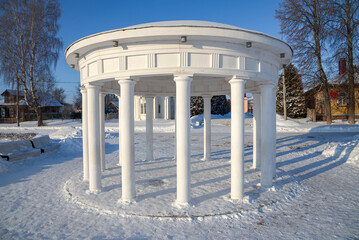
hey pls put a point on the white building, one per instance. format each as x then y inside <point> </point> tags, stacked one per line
<point>179,59</point>
<point>163,107</point>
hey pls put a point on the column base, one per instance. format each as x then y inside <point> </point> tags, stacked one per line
<point>95,192</point>
<point>181,205</point>
<point>125,202</point>
<point>236,197</point>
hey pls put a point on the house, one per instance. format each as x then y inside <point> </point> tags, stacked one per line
<point>163,107</point>
<point>314,97</point>
<point>248,103</point>
<point>50,107</point>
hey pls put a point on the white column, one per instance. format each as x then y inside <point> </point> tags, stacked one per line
<point>85,135</point>
<point>127,153</point>
<point>137,108</point>
<point>102,129</point>
<point>167,108</point>
<point>237,137</point>
<point>94,138</point>
<point>183,89</point>
<point>175,154</point>
<point>267,135</point>
<point>274,131</point>
<point>119,128</point>
<point>155,103</point>
<point>149,128</point>
<point>207,128</point>
<point>256,131</point>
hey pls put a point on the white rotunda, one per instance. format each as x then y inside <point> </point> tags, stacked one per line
<point>179,59</point>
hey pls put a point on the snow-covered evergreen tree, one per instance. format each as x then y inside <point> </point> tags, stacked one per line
<point>219,105</point>
<point>196,106</point>
<point>294,93</point>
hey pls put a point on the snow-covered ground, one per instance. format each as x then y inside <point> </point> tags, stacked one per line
<point>315,193</point>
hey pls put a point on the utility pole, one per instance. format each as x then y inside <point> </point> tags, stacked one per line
<point>284,93</point>
<point>284,88</point>
<point>17,102</point>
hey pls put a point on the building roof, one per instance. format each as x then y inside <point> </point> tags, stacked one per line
<point>339,79</point>
<point>343,79</point>
<point>12,92</point>
<point>171,31</point>
<point>186,23</point>
<point>46,101</point>
<point>50,102</point>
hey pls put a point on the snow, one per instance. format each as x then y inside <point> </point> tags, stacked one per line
<point>315,193</point>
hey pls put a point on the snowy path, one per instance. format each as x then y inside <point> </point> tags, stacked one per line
<point>33,202</point>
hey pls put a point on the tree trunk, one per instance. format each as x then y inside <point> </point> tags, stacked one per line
<point>17,102</point>
<point>323,76</point>
<point>39,117</point>
<point>327,106</point>
<point>351,91</point>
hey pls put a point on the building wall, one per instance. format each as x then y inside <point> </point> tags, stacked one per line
<point>163,107</point>
<point>339,110</point>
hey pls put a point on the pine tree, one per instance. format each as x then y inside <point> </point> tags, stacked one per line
<point>196,106</point>
<point>219,105</point>
<point>294,93</point>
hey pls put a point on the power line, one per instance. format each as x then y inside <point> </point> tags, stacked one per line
<point>69,82</point>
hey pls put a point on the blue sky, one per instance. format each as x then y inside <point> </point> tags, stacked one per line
<point>85,17</point>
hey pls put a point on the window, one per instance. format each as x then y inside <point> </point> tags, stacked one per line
<point>159,108</point>
<point>342,100</point>
<point>143,108</point>
<point>3,113</point>
<point>11,112</point>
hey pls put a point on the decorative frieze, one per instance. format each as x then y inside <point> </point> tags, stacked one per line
<point>92,69</point>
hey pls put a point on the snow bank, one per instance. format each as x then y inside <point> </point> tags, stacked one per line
<point>306,125</point>
<point>4,165</point>
<point>45,197</point>
<point>349,150</point>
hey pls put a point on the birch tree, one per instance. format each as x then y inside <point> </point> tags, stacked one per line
<point>29,47</point>
<point>305,25</point>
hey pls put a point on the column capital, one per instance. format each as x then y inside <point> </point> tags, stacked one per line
<point>182,78</point>
<point>83,90</point>
<point>237,79</point>
<point>207,96</point>
<point>93,85</point>
<point>103,92</point>
<point>126,80</point>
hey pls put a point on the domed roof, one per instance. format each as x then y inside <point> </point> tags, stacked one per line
<point>184,23</point>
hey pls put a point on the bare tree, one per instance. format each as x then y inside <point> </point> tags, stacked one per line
<point>344,37</point>
<point>59,95</point>
<point>29,47</point>
<point>77,100</point>
<point>305,25</point>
